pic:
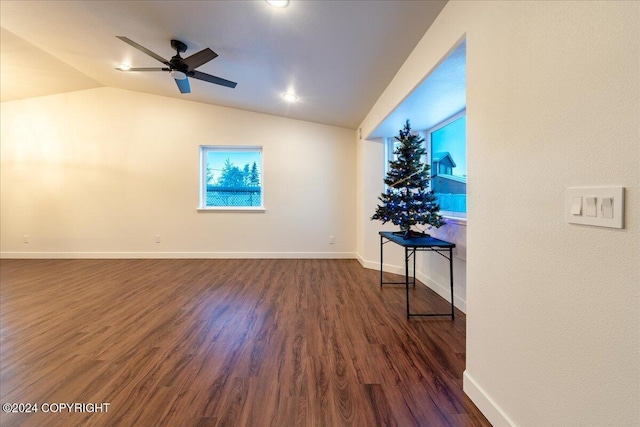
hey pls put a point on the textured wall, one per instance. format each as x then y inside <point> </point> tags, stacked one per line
<point>101,172</point>
<point>553,101</point>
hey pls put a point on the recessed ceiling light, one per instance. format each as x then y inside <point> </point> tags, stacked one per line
<point>289,96</point>
<point>278,3</point>
<point>124,67</point>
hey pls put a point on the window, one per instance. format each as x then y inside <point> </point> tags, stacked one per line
<point>231,178</point>
<point>448,152</point>
<point>392,144</point>
<point>446,145</point>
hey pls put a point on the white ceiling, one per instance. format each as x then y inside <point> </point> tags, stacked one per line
<point>442,94</point>
<point>338,56</point>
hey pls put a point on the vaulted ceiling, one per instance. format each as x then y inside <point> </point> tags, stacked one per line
<point>337,56</point>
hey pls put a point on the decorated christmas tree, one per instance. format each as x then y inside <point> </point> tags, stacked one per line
<point>408,200</point>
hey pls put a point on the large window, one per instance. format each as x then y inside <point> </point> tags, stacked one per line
<point>231,178</point>
<point>448,152</point>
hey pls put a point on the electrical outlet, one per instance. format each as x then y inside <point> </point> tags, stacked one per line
<point>158,238</point>
<point>25,238</point>
<point>332,240</point>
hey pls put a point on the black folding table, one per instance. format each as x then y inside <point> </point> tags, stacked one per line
<point>411,246</point>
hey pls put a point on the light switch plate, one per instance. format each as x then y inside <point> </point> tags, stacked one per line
<point>606,214</point>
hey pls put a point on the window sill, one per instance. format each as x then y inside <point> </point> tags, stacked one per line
<point>235,209</point>
<point>455,220</point>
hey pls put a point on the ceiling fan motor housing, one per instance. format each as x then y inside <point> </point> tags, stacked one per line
<point>177,62</point>
<point>178,46</point>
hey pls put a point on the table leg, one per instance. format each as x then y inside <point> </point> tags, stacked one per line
<point>406,276</point>
<point>451,280</point>
<point>414,267</point>
<point>381,245</point>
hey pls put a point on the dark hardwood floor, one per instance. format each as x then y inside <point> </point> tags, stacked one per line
<point>228,343</point>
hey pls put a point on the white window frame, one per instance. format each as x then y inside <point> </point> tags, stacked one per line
<point>389,144</point>
<point>204,149</point>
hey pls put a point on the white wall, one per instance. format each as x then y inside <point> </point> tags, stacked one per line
<point>553,101</point>
<point>101,172</point>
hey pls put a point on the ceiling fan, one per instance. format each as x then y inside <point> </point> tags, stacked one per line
<point>181,68</point>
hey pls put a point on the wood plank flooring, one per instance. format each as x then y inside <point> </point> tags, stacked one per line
<point>226,343</point>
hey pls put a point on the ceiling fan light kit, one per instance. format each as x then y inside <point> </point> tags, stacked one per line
<point>180,68</point>
<point>178,75</point>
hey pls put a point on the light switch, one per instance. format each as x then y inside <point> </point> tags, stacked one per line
<point>576,206</point>
<point>607,207</point>
<point>590,208</point>
<point>595,206</point>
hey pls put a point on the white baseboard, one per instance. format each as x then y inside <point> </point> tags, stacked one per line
<point>176,255</point>
<point>375,265</point>
<point>487,406</point>
<point>441,289</point>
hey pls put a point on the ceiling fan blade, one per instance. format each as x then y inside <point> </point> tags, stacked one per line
<point>212,79</point>
<point>143,69</point>
<point>143,49</point>
<point>183,85</point>
<point>199,58</point>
